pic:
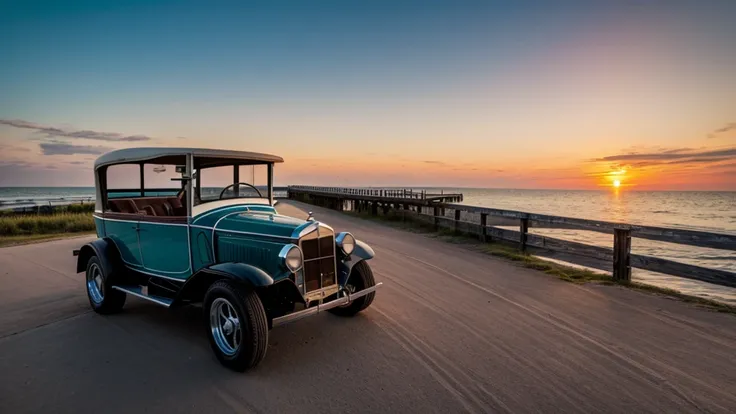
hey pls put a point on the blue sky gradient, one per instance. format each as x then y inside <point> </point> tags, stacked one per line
<point>430,92</point>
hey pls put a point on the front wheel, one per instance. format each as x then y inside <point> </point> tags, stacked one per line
<point>102,297</point>
<point>237,327</point>
<point>361,277</point>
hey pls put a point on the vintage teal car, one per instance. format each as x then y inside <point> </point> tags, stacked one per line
<point>224,246</point>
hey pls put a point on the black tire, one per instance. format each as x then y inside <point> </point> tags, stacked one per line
<point>252,322</point>
<point>107,300</point>
<point>361,277</point>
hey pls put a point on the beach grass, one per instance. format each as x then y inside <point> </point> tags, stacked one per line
<point>506,251</point>
<point>15,229</point>
<point>51,210</point>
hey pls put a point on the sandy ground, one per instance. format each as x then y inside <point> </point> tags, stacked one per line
<point>451,331</point>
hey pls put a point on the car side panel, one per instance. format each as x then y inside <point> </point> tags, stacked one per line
<point>125,236</point>
<point>251,250</point>
<point>99,226</point>
<point>201,242</point>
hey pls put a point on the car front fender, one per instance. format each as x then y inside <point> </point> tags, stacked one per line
<point>241,273</point>
<point>245,273</point>
<point>361,252</point>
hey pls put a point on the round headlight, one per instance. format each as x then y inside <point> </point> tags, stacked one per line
<point>346,242</point>
<point>292,257</point>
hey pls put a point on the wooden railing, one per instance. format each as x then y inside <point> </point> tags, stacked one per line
<point>619,258</point>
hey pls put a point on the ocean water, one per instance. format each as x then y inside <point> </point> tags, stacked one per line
<point>12,194</point>
<point>707,211</point>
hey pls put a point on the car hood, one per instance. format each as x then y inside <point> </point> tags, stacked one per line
<point>265,223</point>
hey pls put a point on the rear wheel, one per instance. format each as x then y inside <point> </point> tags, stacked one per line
<point>361,277</point>
<point>102,297</point>
<point>237,327</point>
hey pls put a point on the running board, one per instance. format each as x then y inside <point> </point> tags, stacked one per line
<point>343,300</point>
<point>143,294</point>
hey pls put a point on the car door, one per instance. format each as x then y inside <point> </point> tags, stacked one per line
<point>164,246</point>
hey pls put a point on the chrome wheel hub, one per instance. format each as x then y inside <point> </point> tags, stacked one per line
<point>228,327</point>
<point>225,326</point>
<point>95,285</point>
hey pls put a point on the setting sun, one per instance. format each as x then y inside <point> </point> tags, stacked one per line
<point>617,183</point>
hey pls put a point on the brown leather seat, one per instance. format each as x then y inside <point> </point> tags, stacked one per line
<point>177,207</point>
<point>152,206</point>
<point>162,206</point>
<point>122,205</point>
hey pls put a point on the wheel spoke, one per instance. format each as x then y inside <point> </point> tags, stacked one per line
<point>236,337</point>
<point>225,326</point>
<point>95,285</point>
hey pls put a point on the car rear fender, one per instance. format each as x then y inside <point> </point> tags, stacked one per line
<point>106,252</point>
<point>361,252</point>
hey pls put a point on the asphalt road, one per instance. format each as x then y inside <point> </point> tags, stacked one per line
<point>451,331</point>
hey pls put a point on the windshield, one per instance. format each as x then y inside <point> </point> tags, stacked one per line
<point>229,182</point>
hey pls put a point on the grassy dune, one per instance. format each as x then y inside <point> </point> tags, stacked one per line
<point>47,224</point>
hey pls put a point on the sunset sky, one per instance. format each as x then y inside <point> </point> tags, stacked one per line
<point>500,94</point>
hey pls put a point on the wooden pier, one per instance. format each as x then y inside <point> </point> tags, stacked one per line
<point>381,195</point>
<point>484,223</point>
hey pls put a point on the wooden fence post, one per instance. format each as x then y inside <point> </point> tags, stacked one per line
<point>457,220</point>
<point>374,208</point>
<point>523,230</point>
<point>622,255</point>
<point>483,221</point>
<point>436,218</point>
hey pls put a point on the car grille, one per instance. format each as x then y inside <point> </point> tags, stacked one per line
<point>318,248</point>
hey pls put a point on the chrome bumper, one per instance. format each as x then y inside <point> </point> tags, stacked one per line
<point>344,300</point>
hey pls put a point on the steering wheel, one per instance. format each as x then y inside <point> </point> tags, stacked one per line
<point>233,185</point>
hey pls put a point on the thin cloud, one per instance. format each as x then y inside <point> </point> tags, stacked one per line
<point>434,162</point>
<point>665,156</point>
<point>81,134</point>
<point>723,130</point>
<point>704,160</point>
<point>677,150</point>
<point>60,148</point>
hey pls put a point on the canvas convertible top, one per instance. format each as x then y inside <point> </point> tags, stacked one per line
<point>205,157</point>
